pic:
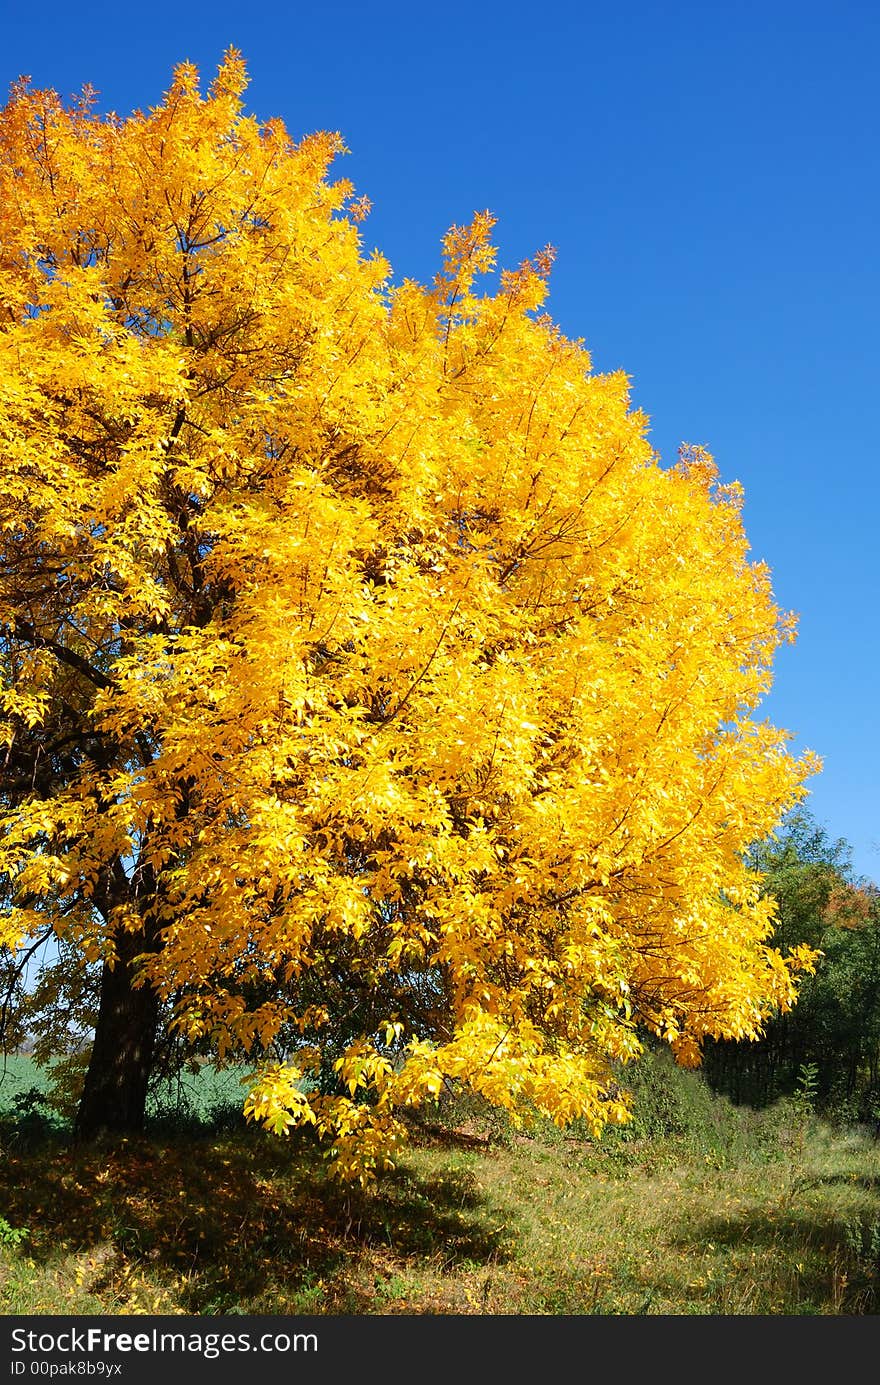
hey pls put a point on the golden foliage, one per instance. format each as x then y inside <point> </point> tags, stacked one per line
<point>354,629</point>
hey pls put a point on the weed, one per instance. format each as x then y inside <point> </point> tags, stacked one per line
<point>12,1235</point>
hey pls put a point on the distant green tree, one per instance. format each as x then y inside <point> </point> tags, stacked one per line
<point>836,1023</point>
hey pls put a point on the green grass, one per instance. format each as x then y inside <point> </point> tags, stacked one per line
<point>204,1096</point>
<point>200,1097</point>
<point>18,1074</point>
<point>704,1209</point>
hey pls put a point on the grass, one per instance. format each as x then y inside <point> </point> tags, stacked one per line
<point>203,1097</point>
<point>19,1074</point>
<point>711,1211</point>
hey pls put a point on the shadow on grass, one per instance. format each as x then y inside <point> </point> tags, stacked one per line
<point>237,1222</point>
<point>870,1182</point>
<point>803,1260</point>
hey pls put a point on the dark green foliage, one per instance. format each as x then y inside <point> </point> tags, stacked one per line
<point>30,1121</point>
<point>835,1027</point>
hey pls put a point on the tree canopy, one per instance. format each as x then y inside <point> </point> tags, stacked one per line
<point>376,705</point>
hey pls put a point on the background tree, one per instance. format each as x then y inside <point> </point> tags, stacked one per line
<point>375,702</point>
<point>835,1027</point>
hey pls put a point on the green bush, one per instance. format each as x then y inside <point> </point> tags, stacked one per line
<point>675,1106</point>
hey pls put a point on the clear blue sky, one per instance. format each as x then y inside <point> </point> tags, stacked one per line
<point>709,175</point>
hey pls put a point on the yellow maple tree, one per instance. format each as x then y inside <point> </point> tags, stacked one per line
<point>373,698</point>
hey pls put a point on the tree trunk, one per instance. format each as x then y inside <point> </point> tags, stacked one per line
<point>115,1090</point>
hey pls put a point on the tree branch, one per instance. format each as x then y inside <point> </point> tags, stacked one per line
<point>23,631</point>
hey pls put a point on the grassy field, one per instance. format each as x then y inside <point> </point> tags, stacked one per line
<point>195,1097</point>
<point>730,1213</point>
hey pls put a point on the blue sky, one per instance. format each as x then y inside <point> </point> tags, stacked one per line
<point>708,174</point>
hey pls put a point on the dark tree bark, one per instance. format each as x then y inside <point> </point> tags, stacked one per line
<point>114,1094</point>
